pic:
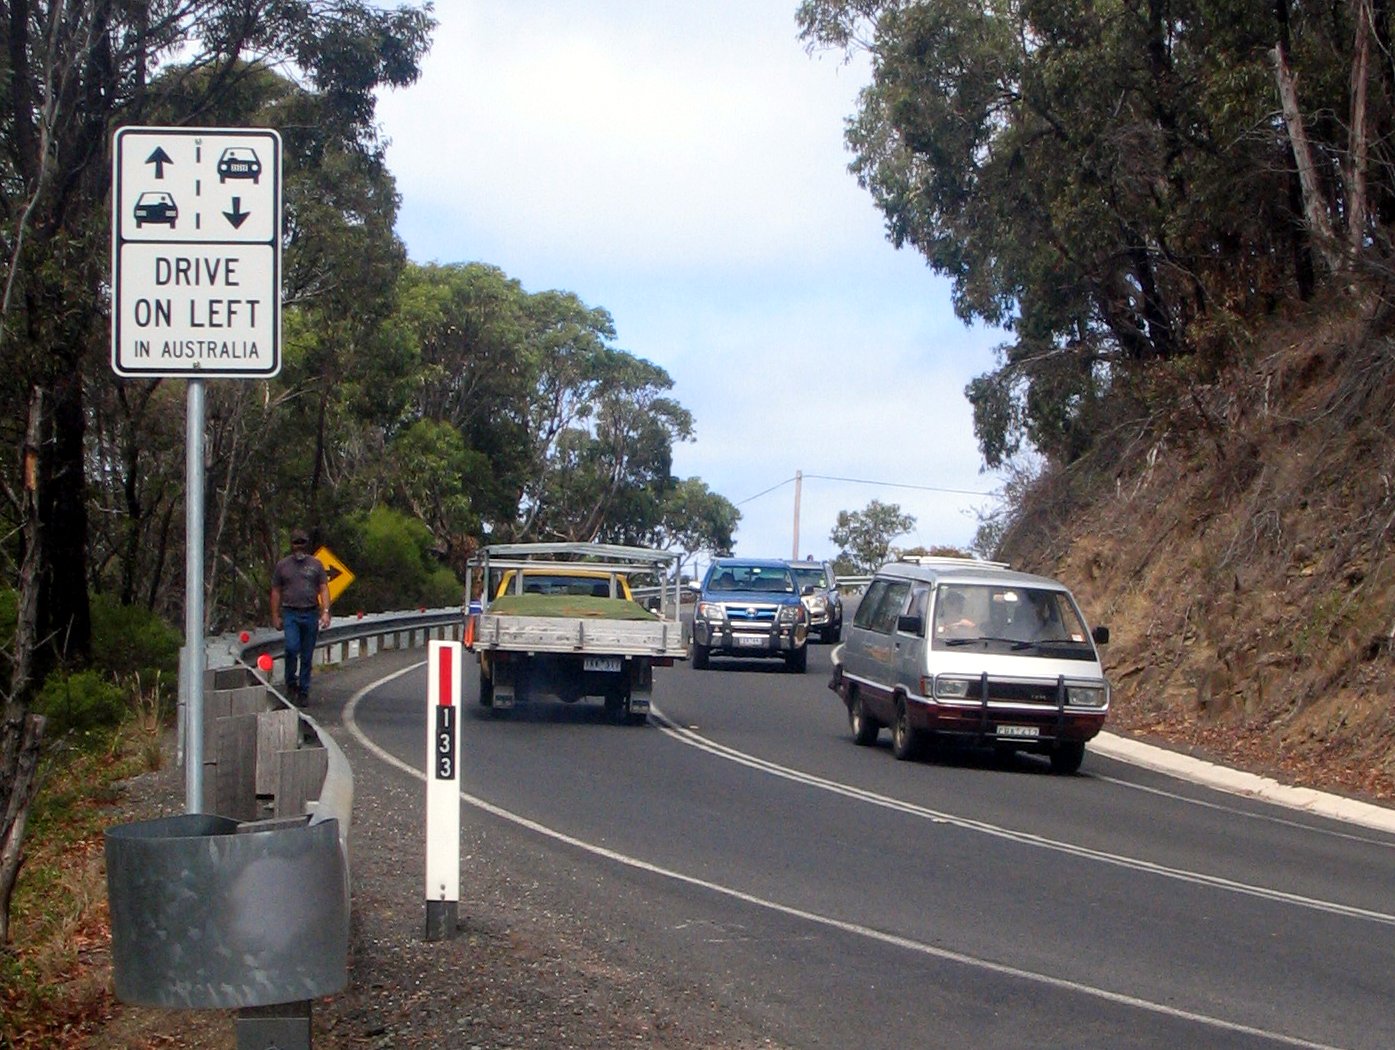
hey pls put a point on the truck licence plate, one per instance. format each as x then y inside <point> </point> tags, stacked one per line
<point>1019,732</point>
<point>749,641</point>
<point>601,663</point>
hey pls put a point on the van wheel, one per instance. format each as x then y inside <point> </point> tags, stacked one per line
<point>700,654</point>
<point>906,741</point>
<point>798,661</point>
<point>864,729</point>
<point>1066,757</point>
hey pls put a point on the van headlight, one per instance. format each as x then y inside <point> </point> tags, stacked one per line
<point>953,688</point>
<point>1087,695</point>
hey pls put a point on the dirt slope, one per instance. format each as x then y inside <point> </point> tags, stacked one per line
<point>1237,540</point>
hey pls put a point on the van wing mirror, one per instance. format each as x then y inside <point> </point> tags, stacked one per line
<point>910,624</point>
<point>1100,635</point>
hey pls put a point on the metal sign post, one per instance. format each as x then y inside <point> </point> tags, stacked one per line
<point>442,788</point>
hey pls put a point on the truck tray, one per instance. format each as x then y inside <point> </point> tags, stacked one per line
<point>551,634</point>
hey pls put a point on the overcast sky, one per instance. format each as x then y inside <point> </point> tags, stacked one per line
<point>682,165</point>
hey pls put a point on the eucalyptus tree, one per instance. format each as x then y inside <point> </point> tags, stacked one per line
<point>864,536</point>
<point>1111,181</point>
<point>76,70</point>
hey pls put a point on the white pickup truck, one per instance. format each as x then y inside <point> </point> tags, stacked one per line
<point>561,621</point>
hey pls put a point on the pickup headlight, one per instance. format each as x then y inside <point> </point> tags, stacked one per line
<point>710,611</point>
<point>817,603</point>
<point>792,614</point>
<point>1087,695</point>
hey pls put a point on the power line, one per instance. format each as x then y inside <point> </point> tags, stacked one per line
<point>901,485</point>
<point>772,488</point>
<point>865,481</point>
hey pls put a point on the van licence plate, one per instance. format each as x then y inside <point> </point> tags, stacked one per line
<point>601,663</point>
<point>1019,732</point>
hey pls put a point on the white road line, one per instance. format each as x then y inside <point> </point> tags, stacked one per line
<point>1365,840</point>
<point>856,929</point>
<point>702,743</point>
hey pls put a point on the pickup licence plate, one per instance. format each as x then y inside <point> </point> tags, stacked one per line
<point>601,663</point>
<point>1019,732</point>
<point>749,641</point>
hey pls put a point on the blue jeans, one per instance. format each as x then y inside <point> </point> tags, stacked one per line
<point>301,627</point>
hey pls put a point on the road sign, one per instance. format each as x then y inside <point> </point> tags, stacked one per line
<point>196,252</point>
<point>338,573</point>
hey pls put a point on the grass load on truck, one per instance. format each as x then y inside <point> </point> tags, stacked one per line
<point>566,621</point>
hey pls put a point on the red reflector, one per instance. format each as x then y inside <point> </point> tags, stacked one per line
<point>445,679</point>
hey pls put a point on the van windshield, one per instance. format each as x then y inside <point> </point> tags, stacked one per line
<point>1010,619</point>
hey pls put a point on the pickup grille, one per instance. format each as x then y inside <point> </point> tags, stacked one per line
<point>750,615</point>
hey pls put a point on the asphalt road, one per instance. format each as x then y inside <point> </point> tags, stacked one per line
<point>839,898</point>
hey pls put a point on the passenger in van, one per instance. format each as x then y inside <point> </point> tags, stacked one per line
<point>951,620</point>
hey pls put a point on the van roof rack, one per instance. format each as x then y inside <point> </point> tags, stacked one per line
<point>941,559</point>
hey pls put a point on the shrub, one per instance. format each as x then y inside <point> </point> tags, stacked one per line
<point>129,640</point>
<point>85,705</point>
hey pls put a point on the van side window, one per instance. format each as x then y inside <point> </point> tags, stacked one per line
<point>919,604</point>
<point>866,608</point>
<point>883,619</point>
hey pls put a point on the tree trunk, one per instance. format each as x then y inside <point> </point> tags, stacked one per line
<point>1359,150</point>
<point>1314,207</point>
<point>65,616</point>
<point>19,754</point>
<point>30,559</point>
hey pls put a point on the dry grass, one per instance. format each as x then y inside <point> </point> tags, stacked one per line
<point>54,975</point>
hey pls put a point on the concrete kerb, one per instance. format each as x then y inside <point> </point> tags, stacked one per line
<point>1319,803</point>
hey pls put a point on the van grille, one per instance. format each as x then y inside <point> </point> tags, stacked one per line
<point>1041,693</point>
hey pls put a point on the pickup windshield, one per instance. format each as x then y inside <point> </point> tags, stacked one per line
<point>594,586</point>
<point>751,578</point>
<point>1009,619</point>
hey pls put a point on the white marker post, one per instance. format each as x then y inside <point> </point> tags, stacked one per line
<point>442,788</point>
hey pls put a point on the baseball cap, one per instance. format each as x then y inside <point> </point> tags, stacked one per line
<point>299,536</point>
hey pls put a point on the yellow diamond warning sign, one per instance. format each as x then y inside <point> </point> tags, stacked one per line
<point>338,573</point>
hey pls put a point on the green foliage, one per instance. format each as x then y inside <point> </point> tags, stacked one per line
<point>394,564</point>
<point>129,641</point>
<point>83,706</point>
<point>1107,181</point>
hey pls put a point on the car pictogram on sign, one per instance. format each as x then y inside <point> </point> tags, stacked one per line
<point>156,206</point>
<point>239,162</point>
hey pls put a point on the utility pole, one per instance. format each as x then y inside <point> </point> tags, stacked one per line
<point>798,484</point>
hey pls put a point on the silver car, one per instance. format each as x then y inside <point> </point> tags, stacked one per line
<point>825,604</point>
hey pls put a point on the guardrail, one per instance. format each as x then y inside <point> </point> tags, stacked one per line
<point>229,909</point>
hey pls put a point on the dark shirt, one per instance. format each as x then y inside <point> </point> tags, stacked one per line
<point>299,578</point>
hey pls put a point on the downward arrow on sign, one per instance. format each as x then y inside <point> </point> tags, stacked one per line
<point>237,216</point>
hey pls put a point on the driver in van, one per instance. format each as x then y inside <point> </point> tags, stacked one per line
<point>952,620</point>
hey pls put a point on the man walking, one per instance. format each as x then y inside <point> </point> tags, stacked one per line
<point>300,607</point>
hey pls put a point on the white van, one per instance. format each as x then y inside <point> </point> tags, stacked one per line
<point>972,651</point>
